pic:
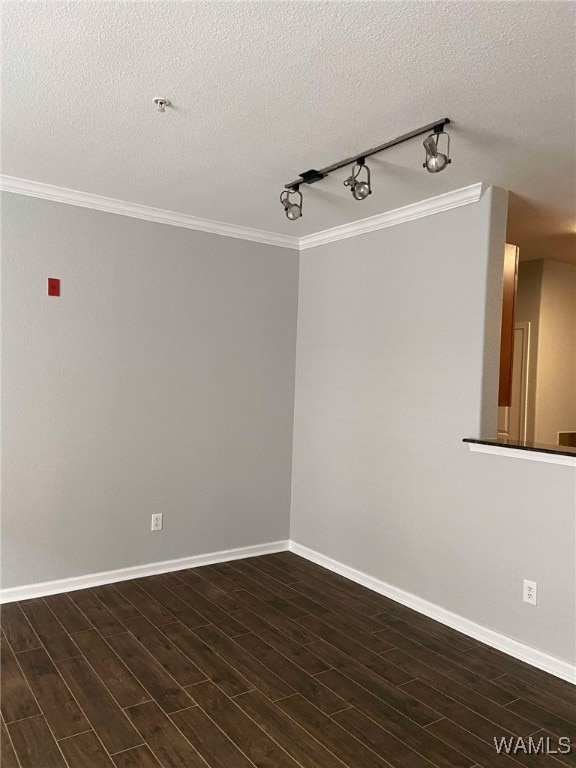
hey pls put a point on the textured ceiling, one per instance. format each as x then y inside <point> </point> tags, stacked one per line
<point>264,90</point>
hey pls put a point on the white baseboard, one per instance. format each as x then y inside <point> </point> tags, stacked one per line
<point>43,589</point>
<point>536,658</point>
<point>514,648</point>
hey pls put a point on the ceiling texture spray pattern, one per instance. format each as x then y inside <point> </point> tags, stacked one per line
<point>261,91</point>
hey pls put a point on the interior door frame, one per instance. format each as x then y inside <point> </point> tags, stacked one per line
<point>525,378</point>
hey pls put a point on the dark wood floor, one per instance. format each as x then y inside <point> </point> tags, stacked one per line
<point>271,662</point>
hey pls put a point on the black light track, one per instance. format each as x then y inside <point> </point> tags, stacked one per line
<point>312,176</point>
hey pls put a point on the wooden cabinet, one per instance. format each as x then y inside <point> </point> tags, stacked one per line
<point>510,284</point>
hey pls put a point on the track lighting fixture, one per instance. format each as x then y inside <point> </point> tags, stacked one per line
<point>361,188</point>
<point>292,209</point>
<point>436,161</point>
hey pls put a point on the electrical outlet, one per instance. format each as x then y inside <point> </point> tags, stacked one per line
<point>530,588</point>
<point>157,522</point>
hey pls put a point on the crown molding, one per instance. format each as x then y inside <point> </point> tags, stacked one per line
<point>444,202</point>
<point>138,211</point>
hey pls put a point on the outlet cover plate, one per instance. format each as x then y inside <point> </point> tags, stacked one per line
<point>530,592</point>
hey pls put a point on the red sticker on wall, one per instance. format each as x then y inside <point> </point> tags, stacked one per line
<point>53,286</point>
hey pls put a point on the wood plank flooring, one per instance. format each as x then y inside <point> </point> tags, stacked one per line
<point>269,662</point>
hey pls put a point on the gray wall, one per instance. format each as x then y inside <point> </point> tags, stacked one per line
<point>162,380</point>
<point>392,338</point>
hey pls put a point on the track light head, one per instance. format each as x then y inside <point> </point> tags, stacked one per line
<point>436,161</point>
<point>293,212</point>
<point>360,189</point>
<point>292,209</point>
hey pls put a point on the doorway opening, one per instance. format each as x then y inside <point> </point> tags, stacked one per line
<point>537,395</point>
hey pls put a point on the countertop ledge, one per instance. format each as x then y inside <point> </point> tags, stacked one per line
<point>521,449</point>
